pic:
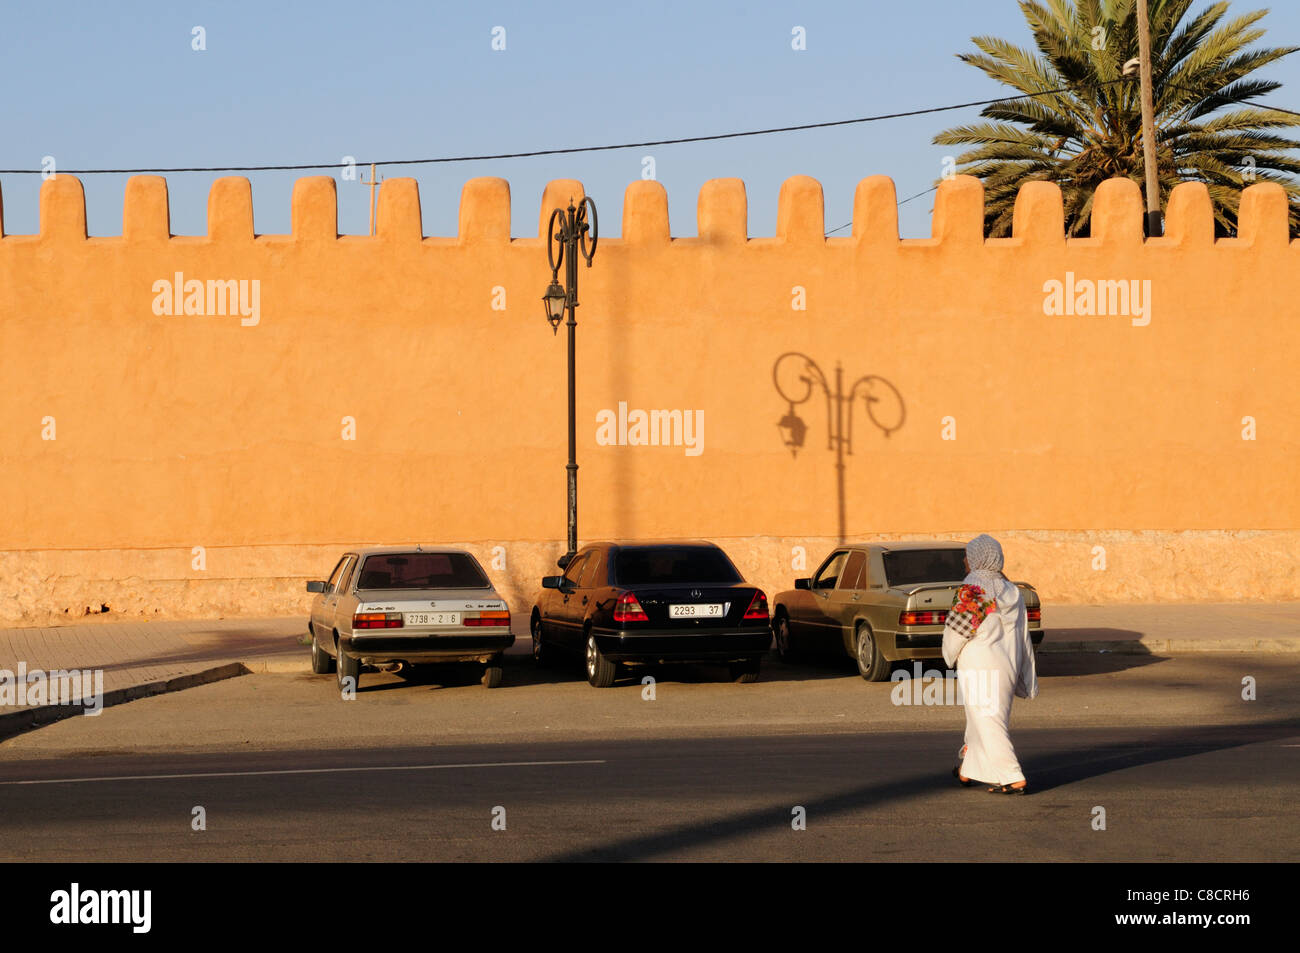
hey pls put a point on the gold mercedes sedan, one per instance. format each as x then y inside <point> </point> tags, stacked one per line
<point>879,603</point>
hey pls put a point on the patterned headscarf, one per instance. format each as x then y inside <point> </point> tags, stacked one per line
<point>984,553</point>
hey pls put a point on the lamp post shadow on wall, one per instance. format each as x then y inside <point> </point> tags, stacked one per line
<point>839,425</point>
<point>568,235</point>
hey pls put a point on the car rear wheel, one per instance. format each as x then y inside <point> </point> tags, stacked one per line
<point>600,670</point>
<point>872,664</point>
<point>781,632</point>
<point>492,673</point>
<point>321,663</point>
<point>348,668</point>
<point>746,672</point>
<point>543,654</point>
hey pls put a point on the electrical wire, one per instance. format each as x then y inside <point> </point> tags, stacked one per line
<point>573,149</point>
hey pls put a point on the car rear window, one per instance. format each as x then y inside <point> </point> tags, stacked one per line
<point>666,565</point>
<point>421,571</point>
<point>913,567</point>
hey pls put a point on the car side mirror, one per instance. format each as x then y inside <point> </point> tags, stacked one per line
<point>552,582</point>
<point>316,586</point>
<point>803,583</point>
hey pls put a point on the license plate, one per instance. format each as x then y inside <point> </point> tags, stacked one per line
<point>433,618</point>
<point>712,610</point>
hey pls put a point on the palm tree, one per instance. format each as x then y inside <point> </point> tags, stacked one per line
<point>1206,131</point>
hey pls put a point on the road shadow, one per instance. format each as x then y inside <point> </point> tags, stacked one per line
<point>1046,772</point>
<point>1060,769</point>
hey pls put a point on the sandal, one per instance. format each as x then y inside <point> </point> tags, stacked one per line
<point>964,782</point>
<point>1008,789</point>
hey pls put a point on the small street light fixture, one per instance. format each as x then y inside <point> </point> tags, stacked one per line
<point>554,301</point>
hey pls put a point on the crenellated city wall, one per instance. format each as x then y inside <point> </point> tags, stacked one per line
<point>193,425</point>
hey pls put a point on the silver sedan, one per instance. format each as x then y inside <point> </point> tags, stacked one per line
<point>407,606</point>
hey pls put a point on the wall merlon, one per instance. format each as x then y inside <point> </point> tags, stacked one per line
<point>485,211</point>
<point>801,212</point>
<point>397,219</point>
<point>645,214</point>
<point>146,215</point>
<point>959,212</point>
<point>1117,214</point>
<point>722,214</point>
<point>1262,219</point>
<point>559,193</point>
<point>875,211</point>
<point>63,209</point>
<point>1039,215</point>
<point>315,210</point>
<point>1189,216</point>
<point>230,210</point>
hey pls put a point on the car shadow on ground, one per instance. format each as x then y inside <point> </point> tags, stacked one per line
<point>524,671</point>
<point>521,670</point>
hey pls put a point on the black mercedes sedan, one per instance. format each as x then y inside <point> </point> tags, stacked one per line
<point>623,604</point>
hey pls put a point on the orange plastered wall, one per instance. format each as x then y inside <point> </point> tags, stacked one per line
<point>176,430</point>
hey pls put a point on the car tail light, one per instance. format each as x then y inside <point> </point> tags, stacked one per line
<point>377,620</point>
<point>757,607</point>
<point>1035,615</point>
<point>627,609</point>
<point>923,617</point>
<point>489,618</point>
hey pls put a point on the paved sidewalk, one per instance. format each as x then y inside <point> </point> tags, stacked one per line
<point>145,658</point>
<point>1174,629</point>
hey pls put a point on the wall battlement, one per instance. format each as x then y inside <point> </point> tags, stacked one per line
<point>721,216</point>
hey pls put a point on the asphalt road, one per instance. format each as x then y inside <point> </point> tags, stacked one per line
<point>1170,795</point>
<point>662,780</point>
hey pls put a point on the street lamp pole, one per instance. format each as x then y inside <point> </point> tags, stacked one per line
<point>568,234</point>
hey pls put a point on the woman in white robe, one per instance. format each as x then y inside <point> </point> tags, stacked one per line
<point>988,643</point>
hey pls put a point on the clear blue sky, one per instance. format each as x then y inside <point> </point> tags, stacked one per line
<point>99,84</point>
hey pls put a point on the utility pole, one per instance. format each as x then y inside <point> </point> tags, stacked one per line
<point>1155,226</point>
<point>372,183</point>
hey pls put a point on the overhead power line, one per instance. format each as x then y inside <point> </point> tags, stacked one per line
<point>573,149</point>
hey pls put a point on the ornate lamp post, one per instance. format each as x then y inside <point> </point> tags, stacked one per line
<point>568,234</point>
<point>839,426</point>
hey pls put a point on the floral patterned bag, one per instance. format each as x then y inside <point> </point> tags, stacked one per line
<point>969,610</point>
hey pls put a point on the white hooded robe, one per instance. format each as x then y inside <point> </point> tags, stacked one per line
<point>993,666</point>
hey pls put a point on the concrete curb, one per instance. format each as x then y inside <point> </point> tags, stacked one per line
<point>17,722</point>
